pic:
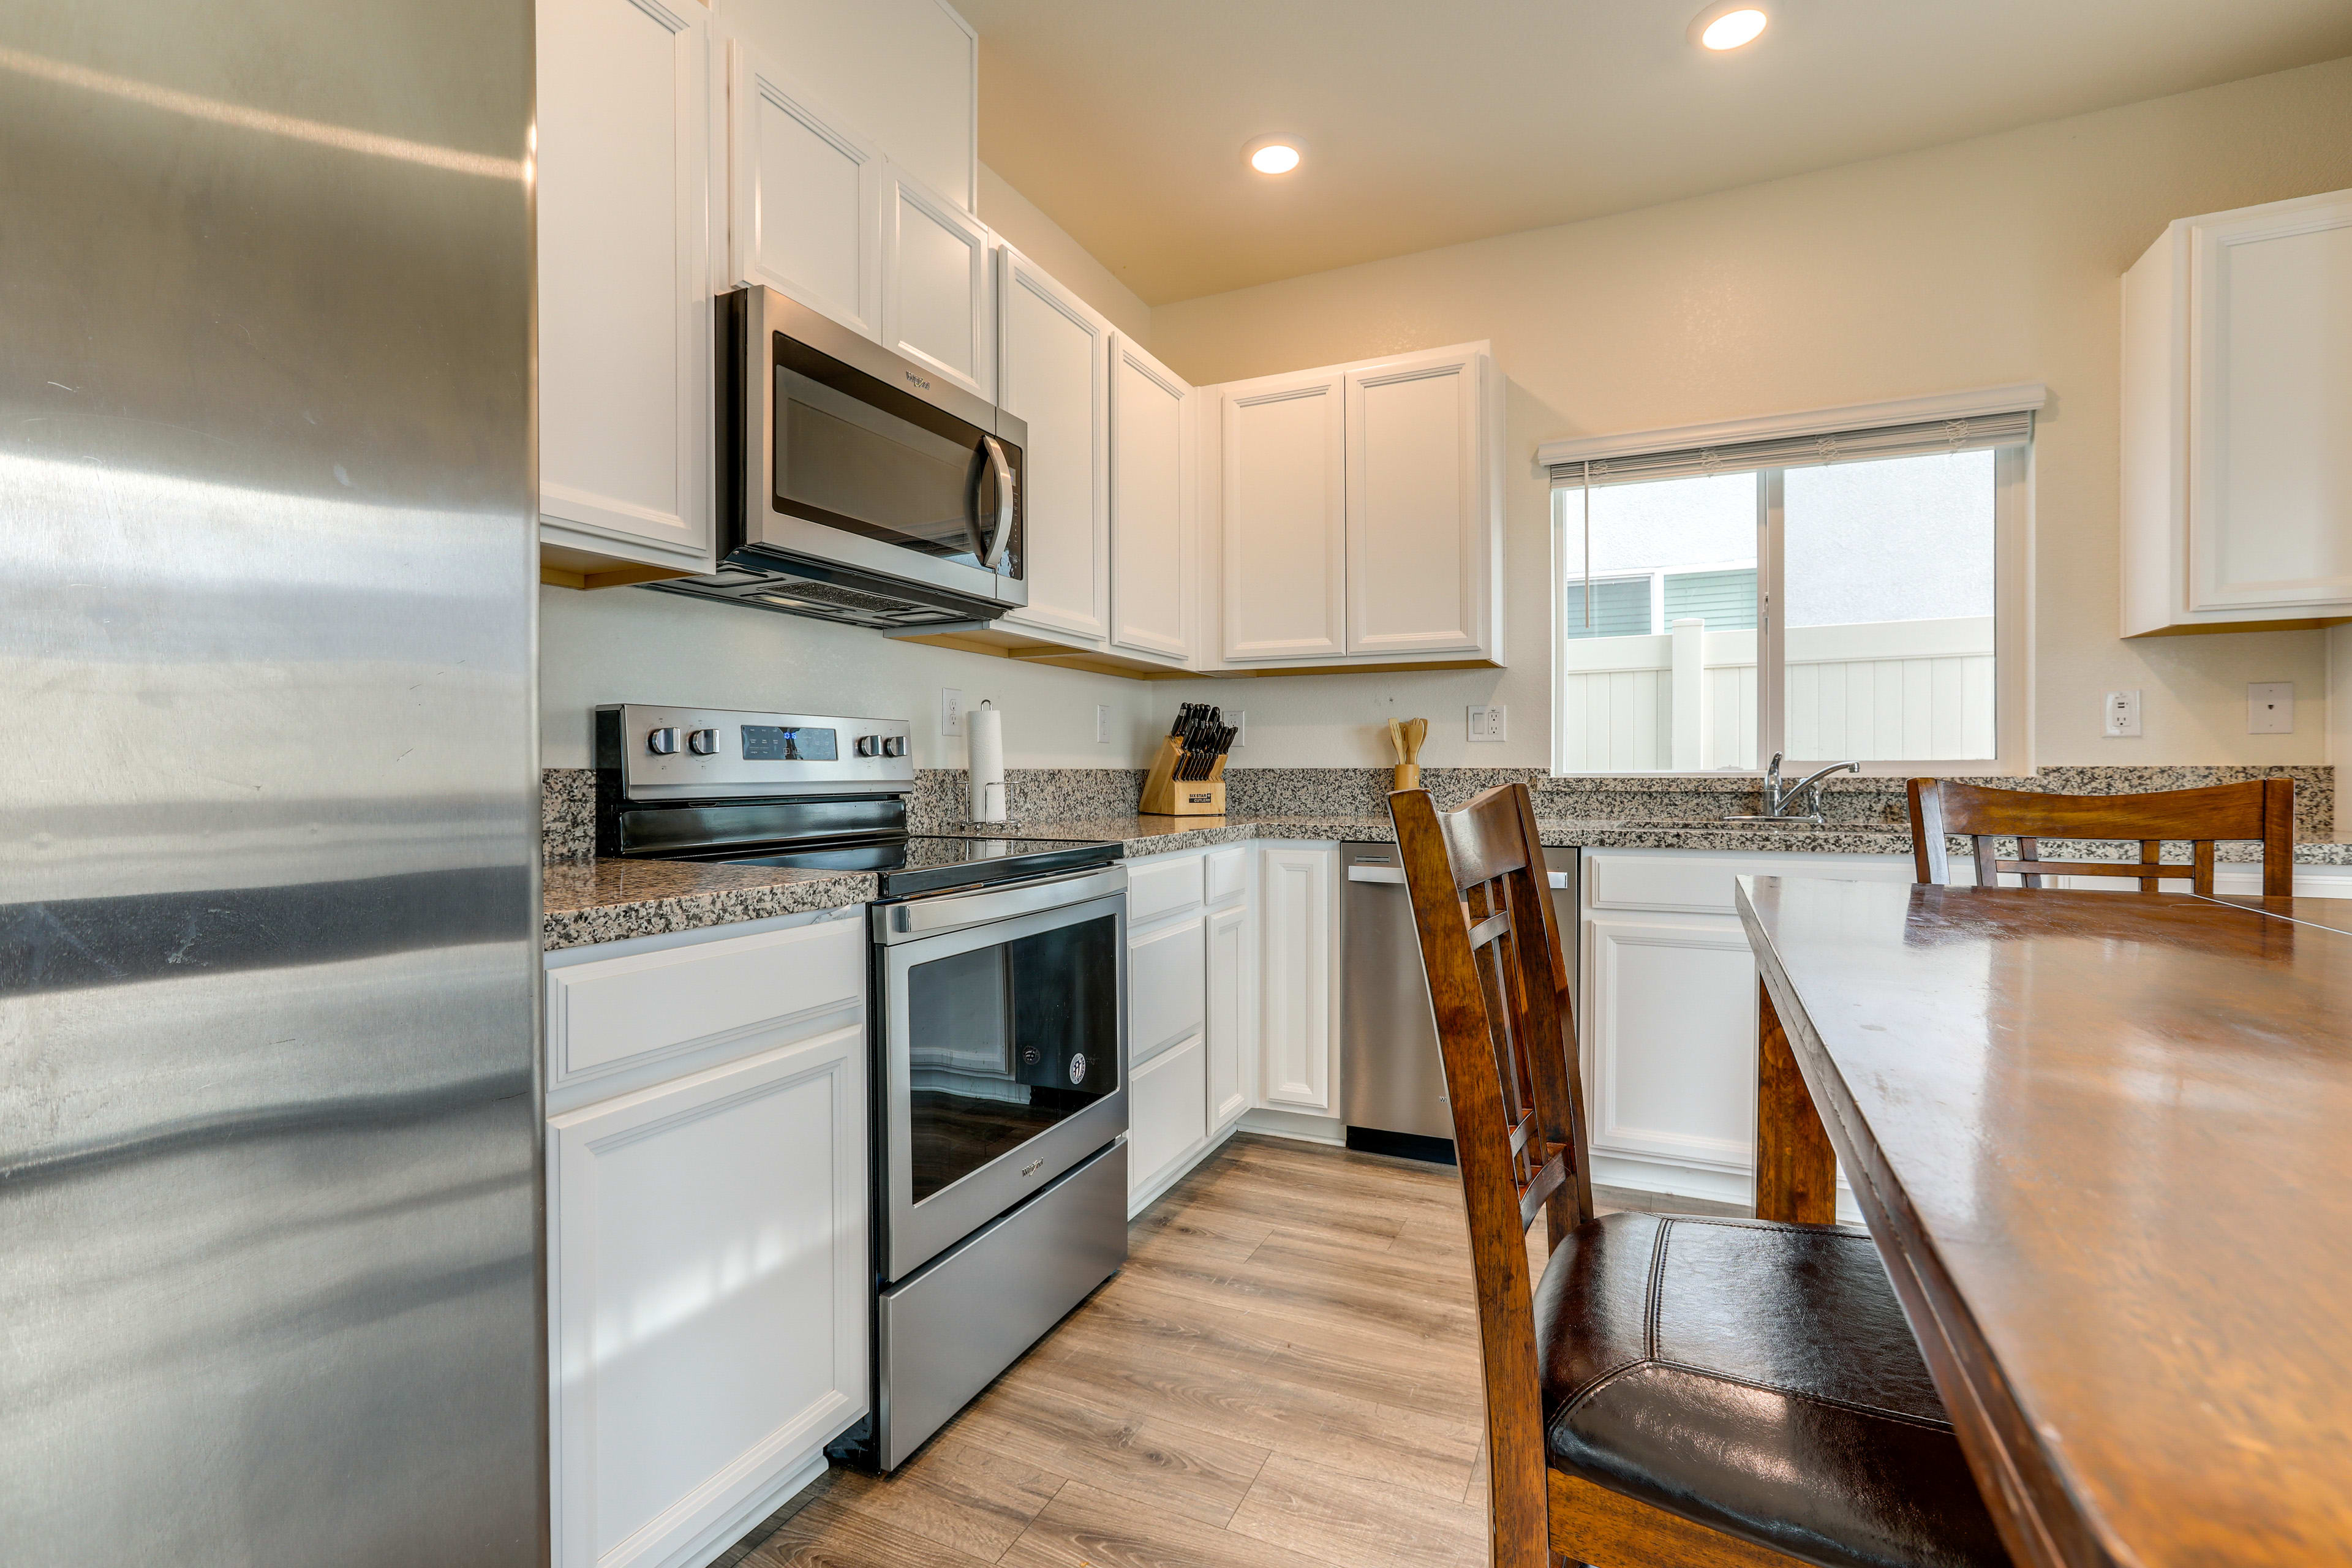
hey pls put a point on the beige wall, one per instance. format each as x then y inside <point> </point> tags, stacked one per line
<point>1039,237</point>
<point>1990,261</point>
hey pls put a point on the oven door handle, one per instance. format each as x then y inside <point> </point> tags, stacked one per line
<point>953,911</point>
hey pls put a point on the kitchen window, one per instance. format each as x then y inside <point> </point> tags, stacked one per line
<point>1827,591</point>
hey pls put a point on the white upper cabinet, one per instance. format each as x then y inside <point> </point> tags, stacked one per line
<point>625,315</point>
<point>937,305</point>
<point>1360,513</point>
<point>1283,502</point>
<point>1421,540</point>
<point>1053,375</point>
<point>2237,420</point>
<point>1151,566</point>
<point>804,198</point>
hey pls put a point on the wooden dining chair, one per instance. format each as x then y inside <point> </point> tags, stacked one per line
<point>2260,809</point>
<point>1676,1391</point>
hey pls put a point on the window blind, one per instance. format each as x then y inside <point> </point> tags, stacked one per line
<point>1916,440</point>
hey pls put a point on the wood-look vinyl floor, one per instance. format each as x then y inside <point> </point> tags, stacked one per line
<point>1286,1372</point>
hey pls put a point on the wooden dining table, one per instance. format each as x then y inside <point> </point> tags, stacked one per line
<point>2104,1144</point>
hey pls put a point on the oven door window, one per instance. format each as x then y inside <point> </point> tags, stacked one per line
<point>855,453</point>
<point>1006,1041</point>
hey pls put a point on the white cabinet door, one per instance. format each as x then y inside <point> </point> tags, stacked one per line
<point>1228,1022</point>
<point>805,192</point>
<point>1282,450</point>
<point>1420,514</point>
<point>625,315</point>
<point>937,305</point>
<point>1053,373</point>
<point>1670,1071</point>
<point>1167,1113</point>
<point>2270,408</point>
<point>1151,505</point>
<point>1166,984</point>
<point>707,1266</point>
<point>1295,891</point>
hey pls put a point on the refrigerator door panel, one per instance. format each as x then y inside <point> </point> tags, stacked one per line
<point>269,1169</point>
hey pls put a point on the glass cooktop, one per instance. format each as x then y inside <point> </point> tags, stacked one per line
<point>930,863</point>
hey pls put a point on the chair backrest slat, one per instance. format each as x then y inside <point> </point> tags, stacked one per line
<point>1498,989</point>
<point>2257,809</point>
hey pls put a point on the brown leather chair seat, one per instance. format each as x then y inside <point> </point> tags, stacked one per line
<point>1759,1379</point>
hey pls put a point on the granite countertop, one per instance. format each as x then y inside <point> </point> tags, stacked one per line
<point>602,900</point>
<point>587,901</point>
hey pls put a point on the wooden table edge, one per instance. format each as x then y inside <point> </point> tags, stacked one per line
<point>2042,1520</point>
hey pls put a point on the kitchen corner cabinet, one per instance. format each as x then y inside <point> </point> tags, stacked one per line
<point>1190,979</point>
<point>1053,372</point>
<point>1152,506</point>
<point>2237,421</point>
<point>1360,513</point>
<point>708,1255</point>
<point>625,314</point>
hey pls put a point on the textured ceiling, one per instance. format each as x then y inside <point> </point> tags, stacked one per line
<point>1428,124</point>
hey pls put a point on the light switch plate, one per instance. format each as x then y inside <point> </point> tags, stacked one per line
<point>1239,721</point>
<point>2123,712</point>
<point>1102,723</point>
<point>1491,722</point>
<point>2270,708</point>
<point>951,711</point>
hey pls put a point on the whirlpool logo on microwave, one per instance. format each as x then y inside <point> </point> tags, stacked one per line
<point>918,379</point>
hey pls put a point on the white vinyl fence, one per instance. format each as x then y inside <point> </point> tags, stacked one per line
<point>1877,691</point>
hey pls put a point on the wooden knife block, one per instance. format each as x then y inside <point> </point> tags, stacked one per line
<point>1165,795</point>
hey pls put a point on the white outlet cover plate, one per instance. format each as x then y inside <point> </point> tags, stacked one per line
<point>1239,721</point>
<point>1490,723</point>
<point>1102,723</point>
<point>2122,713</point>
<point>951,711</point>
<point>2270,708</point>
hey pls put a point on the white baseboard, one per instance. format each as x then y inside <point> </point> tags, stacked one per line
<point>1307,1129</point>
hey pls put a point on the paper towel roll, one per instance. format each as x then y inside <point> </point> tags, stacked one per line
<point>983,732</point>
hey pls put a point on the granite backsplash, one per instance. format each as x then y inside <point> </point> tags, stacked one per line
<point>1040,794</point>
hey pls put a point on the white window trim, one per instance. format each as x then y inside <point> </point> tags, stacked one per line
<point>2012,581</point>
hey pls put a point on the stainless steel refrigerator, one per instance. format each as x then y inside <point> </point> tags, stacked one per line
<point>269,1169</point>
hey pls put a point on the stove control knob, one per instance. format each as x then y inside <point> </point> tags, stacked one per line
<point>893,746</point>
<point>662,742</point>
<point>869,746</point>
<point>702,742</point>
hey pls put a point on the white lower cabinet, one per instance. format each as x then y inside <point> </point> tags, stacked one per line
<point>1190,973</point>
<point>707,1262</point>
<point>1297,1046</point>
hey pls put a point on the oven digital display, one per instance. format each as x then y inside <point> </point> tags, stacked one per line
<point>773,743</point>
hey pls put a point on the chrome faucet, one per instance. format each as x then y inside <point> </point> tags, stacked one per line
<point>1778,799</point>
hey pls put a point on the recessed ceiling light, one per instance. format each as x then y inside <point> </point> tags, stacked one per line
<point>1733,28</point>
<point>1274,155</point>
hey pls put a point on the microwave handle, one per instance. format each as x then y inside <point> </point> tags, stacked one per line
<point>990,546</point>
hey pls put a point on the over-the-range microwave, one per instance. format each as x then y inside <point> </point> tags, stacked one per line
<point>853,484</point>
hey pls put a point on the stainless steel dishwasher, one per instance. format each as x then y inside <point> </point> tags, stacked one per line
<point>1391,1083</point>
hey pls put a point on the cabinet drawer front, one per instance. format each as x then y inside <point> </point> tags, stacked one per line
<point>1163,888</point>
<point>1228,871</point>
<point>611,1011</point>
<point>1167,1108</point>
<point>1167,988</point>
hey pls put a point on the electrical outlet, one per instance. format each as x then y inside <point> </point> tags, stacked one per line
<point>1239,721</point>
<point>951,711</point>
<point>1102,723</point>
<point>2270,708</point>
<point>2122,713</point>
<point>1492,722</point>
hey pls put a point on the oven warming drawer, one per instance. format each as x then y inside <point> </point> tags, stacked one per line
<point>947,1332</point>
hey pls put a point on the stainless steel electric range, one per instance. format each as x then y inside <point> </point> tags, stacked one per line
<point>997,1018</point>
